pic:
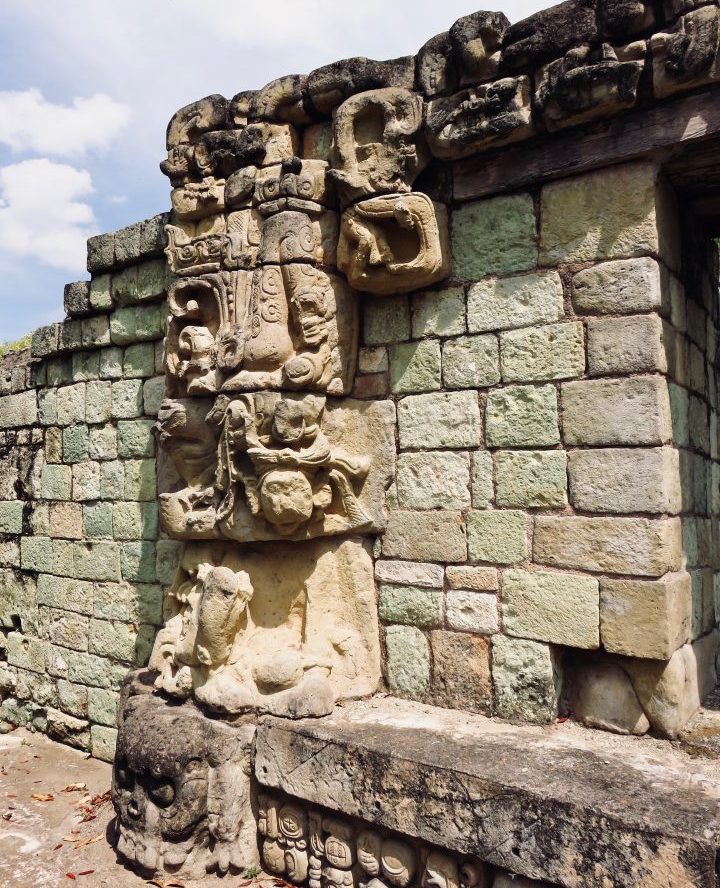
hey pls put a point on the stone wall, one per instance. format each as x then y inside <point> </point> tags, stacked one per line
<point>80,559</point>
<point>555,400</point>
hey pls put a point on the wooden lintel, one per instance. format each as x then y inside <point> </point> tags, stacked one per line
<point>636,134</point>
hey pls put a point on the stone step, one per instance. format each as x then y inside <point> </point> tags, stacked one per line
<point>580,808</point>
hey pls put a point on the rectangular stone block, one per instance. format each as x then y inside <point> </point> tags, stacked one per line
<point>56,482</point>
<point>69,594</point>
<point>113,640</point>
<point>449,420</point>
<point>86,481</point>
<point>425,536</point>
<point>475,579</point>
<point>646,618</point>
<point>521,301</point>
<point>140,484</point>
<point>71,404</point>
<point>411,605</point>
<point>96,561</point>
<point>100,294</point>
<point>136,439</point>
<point>553,351</point>
<point>531,478</point>
<point>386,320</point>
<point>433,480</point>
<point>483,479</point>
<point>636,546</point>
<point>372,360</point>
<point>408,661</point>
<point>461,677</point>
<point>103,742</point>
<point>526,679</point>
<point>626,345</point>
<point>469,611</point>
<point>494,236</point>
<point>624,480</point>
<point>86,365</point>
<point>67,629</point>
<point>617,411</point>
<point>18,410</point>
<point>497,536</point>
<point>522,416</point>
<point>25,652</point>
<point>623,286</point>
<point>153,395</point>
<point>608,214</point>
<point>409,573</point>
<point>554,607</point>
<point>11,517</point>
<point>415,367</point>
<point>471,362</point>
<point>127,399</point>
<point>66,520</point>
<point>95,332</point>
<point>439,313</point>
<point>138,323</point>
<point>45,341</point>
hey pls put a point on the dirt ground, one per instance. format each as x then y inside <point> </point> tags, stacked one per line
<point>44,840</point>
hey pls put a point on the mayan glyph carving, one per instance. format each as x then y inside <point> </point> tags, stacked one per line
<point>287,631</point>
<point>306,845</point>
<point>181,789</point>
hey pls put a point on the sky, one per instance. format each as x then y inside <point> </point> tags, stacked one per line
<point>87,88</point>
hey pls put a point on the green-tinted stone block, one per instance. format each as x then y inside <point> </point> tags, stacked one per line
<point>56,483</point>
<point>135,439</point>
<point>124,286</point>
<point>127,398</point>
<point>100,297</point>
<point>139,360</point>
<point>103,443</point>
<point>415,367</point>
<point>153,279</point>
<point>59,370</point>
<point>98,401</point>
<point>168,560</point>
<point>97,561</point>
<point>495,236</point>
<point>413,605</point>
<point>76,440</point>
<point>386,320</point>
<point>111,363</point>
<point>137,561</point>
<point>140,482</point>
<point>11,517</point>
<point>98,520</point>
<point>408,661</point>
<point>135,521</point>
<point>112,480</point>
<point>137,323</point>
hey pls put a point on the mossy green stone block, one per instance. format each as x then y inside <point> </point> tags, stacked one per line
<point>111,363</point>
<point>102,706</point>
<point>11,517</point>
<point>386,319</point>
<point>98,401</point>
<point>137,560</point>
<point>97,561</point>
<point>86,365</point>
<point>56,483</point>
<point>114,640</point>
<point>168,560</point>
<point>495,236</point>
<point>137,323</point>
<point>415,367</point>
<point>97,520</point>
<point>412,605</point>
<point>497,536</point>
<point>408,661</point>
<point>153,279</point>
<point>140,484</point>
<point>139,360</point>
<point>76,441</point>
<point>135,439</point>
<point>127,398</point>
<point>100,296</point>
<point>112,480</point>
<point>135,521</point>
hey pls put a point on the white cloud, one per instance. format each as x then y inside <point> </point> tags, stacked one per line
<point>42,214</point>
<point>117,199</point>
<point>28,122</point>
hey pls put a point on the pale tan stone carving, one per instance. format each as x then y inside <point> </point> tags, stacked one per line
<point>287,467</point>
<point>377,149</point>
<point>394,243</point>
<point>287,632</point>
<point>196,247</point>
<point>688,55</point>
<point>441,871</point>
<point>196,200</point>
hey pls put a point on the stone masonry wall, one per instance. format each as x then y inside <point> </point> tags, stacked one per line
<point>80,560</point>
<point>555,511</point>
<point>557,412</point>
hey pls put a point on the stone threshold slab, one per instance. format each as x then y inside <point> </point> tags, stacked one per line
<point>560,803</point>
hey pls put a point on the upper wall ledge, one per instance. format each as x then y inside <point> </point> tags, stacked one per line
<point>485,83</point>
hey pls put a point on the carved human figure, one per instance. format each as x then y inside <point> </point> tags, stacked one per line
<point>441,871</point>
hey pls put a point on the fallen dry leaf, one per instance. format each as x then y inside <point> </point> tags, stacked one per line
<point>75,787</point>
<point>43,796</point>
<point>83,843</point>
<point>58,846</point>
<point>86,872</point>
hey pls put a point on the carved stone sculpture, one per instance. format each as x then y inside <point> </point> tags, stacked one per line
<point>688,55</point>
<point>181,788</point>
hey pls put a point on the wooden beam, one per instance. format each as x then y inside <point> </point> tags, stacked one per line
<point>633,135</point>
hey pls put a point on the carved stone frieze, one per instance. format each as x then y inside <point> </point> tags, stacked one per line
<point>287,631</point>
<point>394,243</point>
<point>480,117</point>
<point>181,788</point>
<point>587,84</point>
<point>285,467</point>
<point>688,55</point>
<point>306,845</point>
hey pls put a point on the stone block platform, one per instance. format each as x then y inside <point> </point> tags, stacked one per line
<point>572,807</point>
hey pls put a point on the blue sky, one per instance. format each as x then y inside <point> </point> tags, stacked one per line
<point>87,88</point>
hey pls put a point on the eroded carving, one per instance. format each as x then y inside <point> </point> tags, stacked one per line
<point>689,54</point>
<point>181,789</point>
<point>394,243</point>
<point>287,633</point>
<point>286,467</point>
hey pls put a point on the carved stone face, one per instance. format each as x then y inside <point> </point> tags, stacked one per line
<point>160,788</point>
<point>286,498</point>
<point>311,309</point>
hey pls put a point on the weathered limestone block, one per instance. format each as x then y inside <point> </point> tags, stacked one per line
<point>620,18</point>
<point>45,341</point>
<point>18,410</point>
<point>408,661</point>
<point>470,611</point>
<point>531,478</point>
<point>439,313</point>
<point>425,536</point>
<point>644,618</point>
<point>409,573</point>
<point>435,480</point>
<point>330,85</point>
<point>637,546</point>
<point>412,605</point>
<point>477,579</point>
<point>627,345</point>
<point>415,367</point>
<point>622,286</point>
<point>461,671</point>
<point>526,680</point>
<point>181,789</point>
<point>444,420</point>
<point>476,40</point>
<point>436,69</point>
<point>589,83</point>
<point>499,536</point>
<point>522,301</point>
<point>617,411</point>
<point>471,362</point>
<point>687,55</point>
<point>603,697</point>
<point>559,608</point>
<point>522,416</point>
<point>613,214</point>
<point>555,351</point>
<point>489,115</point>
<point>626,480</point>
